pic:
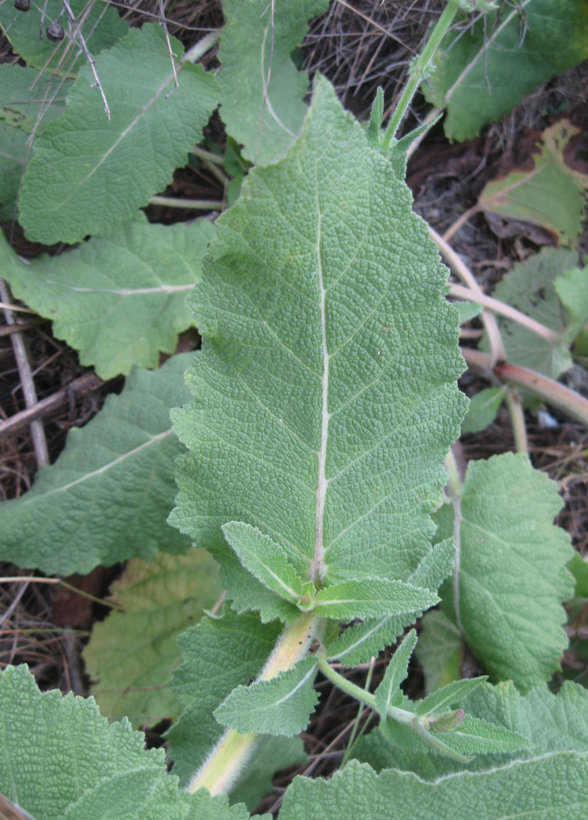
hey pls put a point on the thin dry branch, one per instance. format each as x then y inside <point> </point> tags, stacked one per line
<point>26,378</point>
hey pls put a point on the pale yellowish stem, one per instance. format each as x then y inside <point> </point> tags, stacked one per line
<point>223,766</point>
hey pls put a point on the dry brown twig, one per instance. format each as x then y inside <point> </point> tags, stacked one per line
<point>26,378</point>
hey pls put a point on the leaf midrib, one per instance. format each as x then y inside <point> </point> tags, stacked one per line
<point>87,476</point>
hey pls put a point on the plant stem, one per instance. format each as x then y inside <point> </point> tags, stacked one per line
<point>223,766</point>
<point>554,393</point>
<point>351,741</point>
<point>202,154</point>
<point>455,488</point>
<point>418,69</point>
<point>195,204</point>
<point>201,47</point>
<point>507,311</point>
<point>517,417</point>
<point>356,692</point>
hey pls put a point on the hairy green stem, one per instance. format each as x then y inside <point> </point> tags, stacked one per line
<point>356,692</point>
<point>418,69</point>
<point>194,204</point>
<point>517,417</point>
<point>224,764</point>
<point>351,741</point>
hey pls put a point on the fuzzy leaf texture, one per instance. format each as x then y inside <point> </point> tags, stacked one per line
<point>60,760</point>
<point>531,287</point>
<point>221,654</point>
<point>438,650</point>
<point>324,403</point>
<point>131,653</point>
<point>555,786</point>
<point>107,496</point>
<point>280,706</point>
<point>13,159</point>
<point>262,92</point>
<point>88,172</point>
<point>549,723</point>
<point>30,101</point>
<point>119,298</point>
<point>474,80</point>
<point>101,26</point>
<point>484,407</point>
<point>362,641</point>
<point>511,570</point>
<point>388,692</point>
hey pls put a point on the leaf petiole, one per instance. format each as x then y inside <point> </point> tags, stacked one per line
<point>402,716</point>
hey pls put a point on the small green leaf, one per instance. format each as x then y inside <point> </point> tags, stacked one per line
<point>483,409</point>
<point>512,574</point>
<point>262,93</point>
<point>119,163</point>
<point>550,193</point>
<point>447,696</point>
<point>362,641</point>
<point>371,598</point>
<point>107,496</point>
<point>467,310</point>
<point>396,671</point>
<point>375,124</point>
<point>549,723</point>
<point>102,27</point>
<point>131,654</point>
<point>438,650</point>
<point>280,706</point>
<point>486,69</point>
<point>119,298</point>
<point>265,559</point>
<point>530,287</point>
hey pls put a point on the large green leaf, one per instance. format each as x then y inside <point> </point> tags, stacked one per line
<point>530,288</point>
<point>101,26</point>
<point>511,570</point>
<point>218,655</point>
<point>487,69</point>
<point>107,496</point>
<point>555,786</point>
<point>262,93</point>
<point>118,298</point>
<point>324,401</point>
<point>88,172</point>
<point>60,760</point>
<point>132,653</point>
